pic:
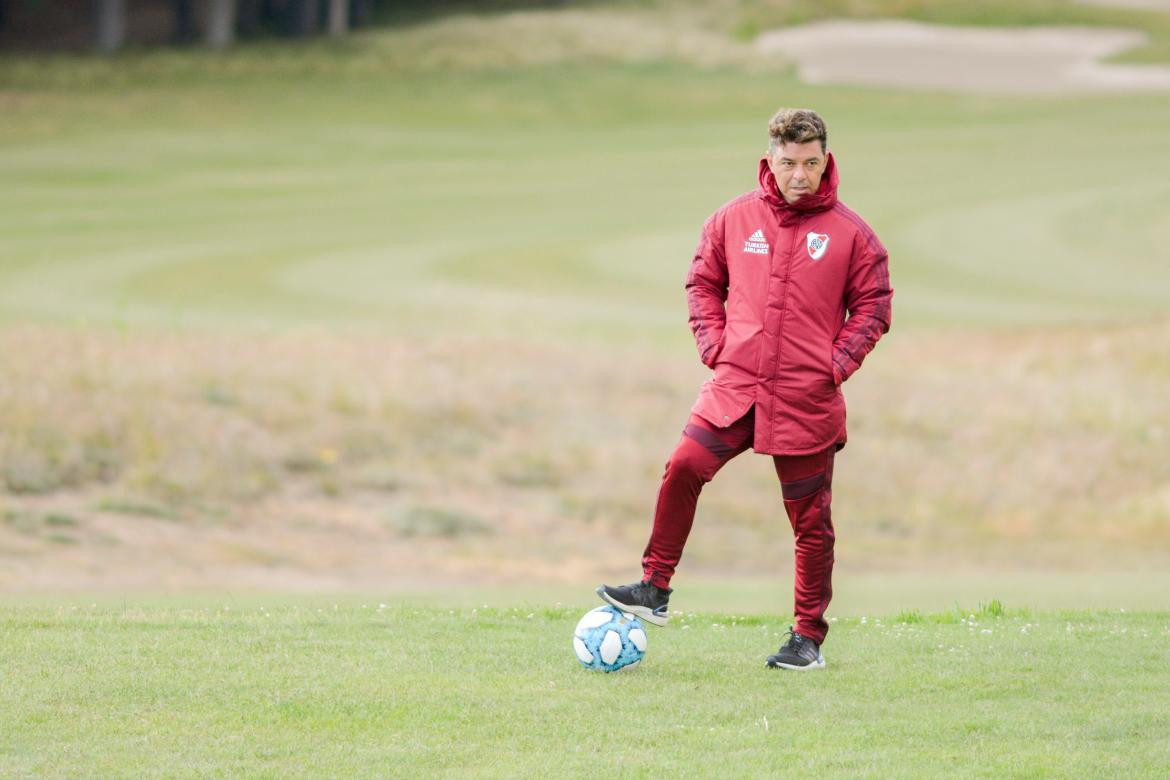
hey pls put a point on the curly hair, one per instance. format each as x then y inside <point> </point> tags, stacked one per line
<point>796,125</point>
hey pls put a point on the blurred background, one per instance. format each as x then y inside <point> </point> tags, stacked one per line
<point>308,295</point>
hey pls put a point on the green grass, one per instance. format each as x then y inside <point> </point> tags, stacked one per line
<point>342,185</point>
<point>309,689</point>
<point>411,306</point>
<point>219,267</point>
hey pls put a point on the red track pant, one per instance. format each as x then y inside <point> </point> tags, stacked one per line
<point>806,485</point>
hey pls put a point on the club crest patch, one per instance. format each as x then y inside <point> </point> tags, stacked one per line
<point>817,244</point>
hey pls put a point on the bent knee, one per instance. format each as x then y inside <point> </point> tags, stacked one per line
<point>691,461</point>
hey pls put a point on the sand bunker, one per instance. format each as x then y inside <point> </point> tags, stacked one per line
<point>1140,5</point>
<point>1025,61</point>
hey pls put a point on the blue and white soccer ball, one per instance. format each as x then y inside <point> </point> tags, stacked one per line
<point>608,639</point>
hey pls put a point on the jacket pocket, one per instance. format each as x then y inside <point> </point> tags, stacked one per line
<point>831,371</point>
<point>716,351</point>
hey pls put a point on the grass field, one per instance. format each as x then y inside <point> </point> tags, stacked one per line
<point>404,316</point>
<point>372,689</point>
<point>387,297</point>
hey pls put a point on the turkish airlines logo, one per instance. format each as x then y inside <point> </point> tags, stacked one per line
<point>817,244</point>
<point>756,243</point>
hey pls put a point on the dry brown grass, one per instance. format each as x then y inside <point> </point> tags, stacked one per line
<point>321,460</point>
<point>556,36</point>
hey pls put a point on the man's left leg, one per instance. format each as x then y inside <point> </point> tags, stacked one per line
<point>806,482</point>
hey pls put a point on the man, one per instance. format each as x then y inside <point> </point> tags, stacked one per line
<point>788,292</point>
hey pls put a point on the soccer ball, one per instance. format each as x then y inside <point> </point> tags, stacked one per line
<point>608,639</point>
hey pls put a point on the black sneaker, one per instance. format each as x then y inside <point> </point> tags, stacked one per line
<point>640,598</point>
<point>799,653</point>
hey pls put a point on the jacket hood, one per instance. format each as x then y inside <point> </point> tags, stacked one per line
<point>824,198</point>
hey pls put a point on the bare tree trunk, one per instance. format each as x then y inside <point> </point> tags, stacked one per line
<point>303,21</point>
<point>221,23</point>
<point>111,24</point>
<point>361,13</point>
<point>248,17</point>
<point>184,21</point>
<point>338,17</point>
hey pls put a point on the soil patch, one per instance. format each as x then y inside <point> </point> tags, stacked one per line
<point>1140,5</point>
<point>1024,61</point>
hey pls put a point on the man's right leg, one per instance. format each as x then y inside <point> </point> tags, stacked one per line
<point>699,454</point>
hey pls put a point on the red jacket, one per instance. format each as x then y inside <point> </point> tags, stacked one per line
<point>768,292</point>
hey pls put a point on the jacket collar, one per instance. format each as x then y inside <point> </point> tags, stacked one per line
<point>823,199</point>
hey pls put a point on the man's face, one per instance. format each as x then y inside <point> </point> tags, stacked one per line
<point>798,168</point>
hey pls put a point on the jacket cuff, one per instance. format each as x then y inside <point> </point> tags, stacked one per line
<point>843,368</point>
<point>712,353</point>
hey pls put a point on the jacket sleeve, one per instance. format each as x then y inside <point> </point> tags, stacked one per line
<point>707,291</point>
<point>868,299</point>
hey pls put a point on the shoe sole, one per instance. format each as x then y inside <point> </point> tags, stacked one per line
<point>817,664</point>
<point>644,613</point>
